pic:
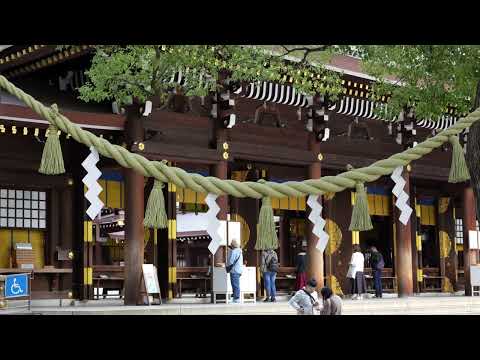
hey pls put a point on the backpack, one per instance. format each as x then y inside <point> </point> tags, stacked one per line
<point>380,263</point>
<point>272,265</point>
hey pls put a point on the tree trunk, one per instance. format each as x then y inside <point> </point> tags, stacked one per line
<point>473,154</point>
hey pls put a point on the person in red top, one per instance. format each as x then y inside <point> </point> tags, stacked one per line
<point>301,271</point>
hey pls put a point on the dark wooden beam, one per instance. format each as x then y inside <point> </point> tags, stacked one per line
<point>272,154</point>
<point>22,115</point>
<point>159,151</point>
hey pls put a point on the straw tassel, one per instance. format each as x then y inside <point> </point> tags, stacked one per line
<point>266,234</point>
<point>155,214</point>
<point>52,157</point>
<point>360,216</point>
<point>458,169</point>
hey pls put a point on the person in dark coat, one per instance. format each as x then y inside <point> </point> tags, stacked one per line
<point>377,264</point>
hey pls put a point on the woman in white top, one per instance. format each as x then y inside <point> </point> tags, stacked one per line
<point>356,275</point>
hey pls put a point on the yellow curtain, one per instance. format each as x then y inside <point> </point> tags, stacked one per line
<point>188,196</point>
<point>290,203</point>
<point>112,194</point>
<point>427,215</point>
<point>377,204</point>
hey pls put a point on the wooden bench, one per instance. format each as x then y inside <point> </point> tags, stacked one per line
<point>432,281</point>
<point>196,276</point>
<point>389,281</point>
<point>286,278</point>
<point>108,277</point>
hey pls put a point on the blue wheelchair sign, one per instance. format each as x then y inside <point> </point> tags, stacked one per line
<point>17,285</point>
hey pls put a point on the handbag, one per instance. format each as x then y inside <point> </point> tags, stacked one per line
<point>230,267</point>
<point>350,272</point>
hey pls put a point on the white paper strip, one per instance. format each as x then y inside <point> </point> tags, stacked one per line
<point>318,222</point>
<point>213,227</point>
<point>91,182</point>
<point>148,108</point>
<point>402,196</point>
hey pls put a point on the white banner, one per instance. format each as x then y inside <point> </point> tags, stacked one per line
<point>213,227</point>
<point>91,182</point>
<point>318,222</point>
<point>402,196</point>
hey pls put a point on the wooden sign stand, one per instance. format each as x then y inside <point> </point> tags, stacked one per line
<point>149,285</point>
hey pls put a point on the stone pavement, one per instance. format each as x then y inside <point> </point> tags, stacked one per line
<point>416,305</point>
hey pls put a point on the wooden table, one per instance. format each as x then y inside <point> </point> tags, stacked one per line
<point>202,278</point>
<point>428,278</point>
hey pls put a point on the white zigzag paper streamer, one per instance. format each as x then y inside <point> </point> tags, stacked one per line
<point>91,182</point>
<point>402,196</point>
<point>318,222</point>
<point>213,226</point>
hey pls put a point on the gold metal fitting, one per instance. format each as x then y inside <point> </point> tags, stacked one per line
<point>141,146</point>
<point>70,182</point>
<point>409,168</point>
<point>225,155</point>
<point>225,146</point>
<point>14,129</point>
<point>320,157</point>
<point>3,304</point>
<point>70,255</point>
<point>70,294</point>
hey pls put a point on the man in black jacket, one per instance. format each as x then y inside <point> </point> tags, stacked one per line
<point>377,264</point>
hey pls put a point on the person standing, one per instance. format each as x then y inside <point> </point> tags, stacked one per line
<point>377,264</point>
<point>235,268</point>
<point>332,304</point>
<point>301,270</point>
<point>305,300</point>
<point>269,268</point>
<point>356,275</point>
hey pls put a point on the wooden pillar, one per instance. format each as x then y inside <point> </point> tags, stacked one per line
<point>79,272</point>
<point>66,232</point>
<point>284,241</point>
<point>53,228</point>
<point>403,248</point>
<point>172,239</point>
<point>469,217</point>
<point>314,257</point>
<point>220,170</point>
<point>134,213</point>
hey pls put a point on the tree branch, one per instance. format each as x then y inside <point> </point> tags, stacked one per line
<point>306,50</point>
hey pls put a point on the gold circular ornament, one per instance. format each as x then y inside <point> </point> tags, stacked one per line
<point>141,146</point>
<point>320,157</point>
<point>225,155</point>
<point>225,146</point>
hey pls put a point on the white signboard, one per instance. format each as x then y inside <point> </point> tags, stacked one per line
<point>150,278</point>
<point>232,233</point>
<point>475,275</point>
<point>473,239</point>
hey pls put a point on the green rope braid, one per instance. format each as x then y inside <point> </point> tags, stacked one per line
<point>458,169</point>
<point>266,234</point>
<point>52,158</point>
<point>199,183</point>
<point>155,215</point>
<point>360,216</point>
